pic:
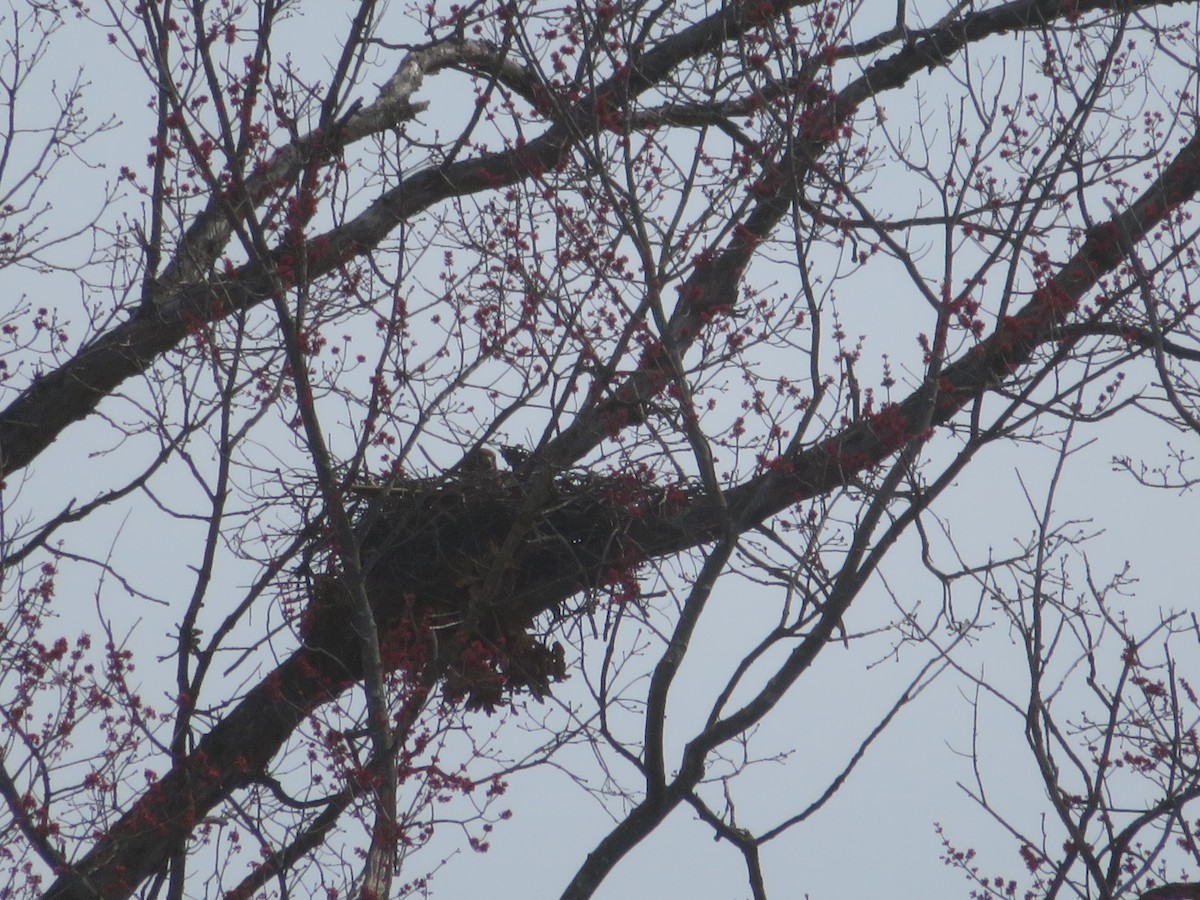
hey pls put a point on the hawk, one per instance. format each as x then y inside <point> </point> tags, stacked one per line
<point>479,461</point>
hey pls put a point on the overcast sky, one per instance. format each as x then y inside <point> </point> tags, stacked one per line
<point>877,836</point>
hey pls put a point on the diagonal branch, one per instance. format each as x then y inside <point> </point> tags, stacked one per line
<point>711,290</point>
<point>68,394</point>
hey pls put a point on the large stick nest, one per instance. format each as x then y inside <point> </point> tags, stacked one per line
<point>458,568</point>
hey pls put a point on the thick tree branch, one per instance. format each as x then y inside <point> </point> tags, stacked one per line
<point>57,399</point>
<point>712,288</point>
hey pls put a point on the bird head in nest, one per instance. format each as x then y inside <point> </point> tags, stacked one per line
<point>479,461</point>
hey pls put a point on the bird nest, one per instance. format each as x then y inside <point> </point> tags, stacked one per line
<point>459,568</point>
